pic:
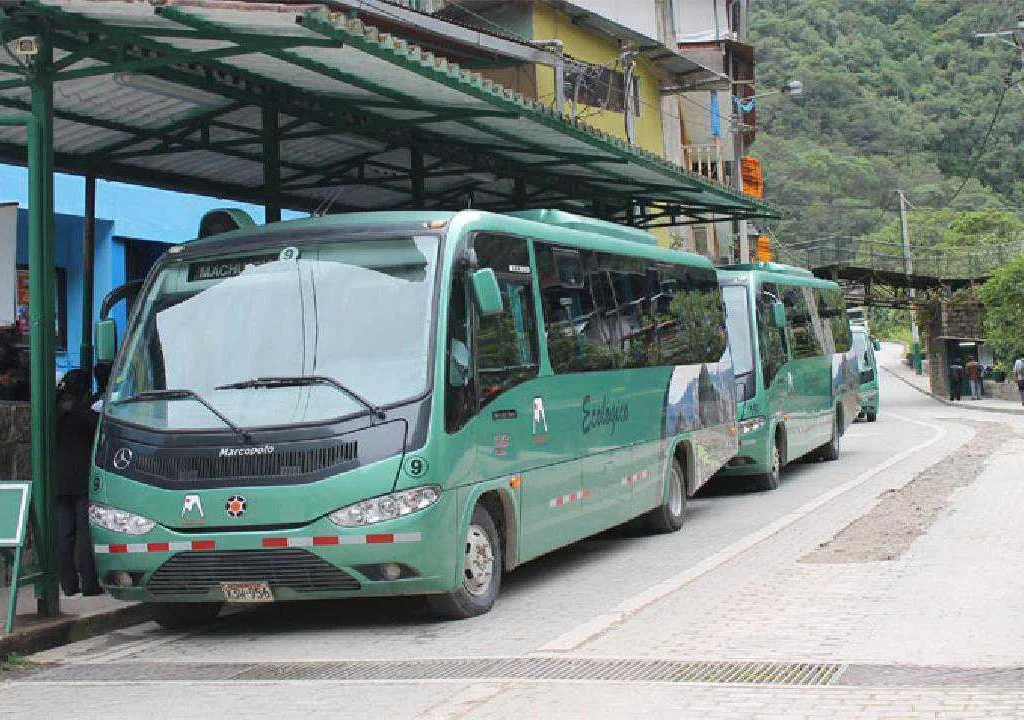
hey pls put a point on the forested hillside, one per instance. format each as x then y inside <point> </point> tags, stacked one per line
<point>898,94</point>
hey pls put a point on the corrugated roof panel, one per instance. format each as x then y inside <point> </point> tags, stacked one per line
<point>300,78</point>
<point>205,165</point>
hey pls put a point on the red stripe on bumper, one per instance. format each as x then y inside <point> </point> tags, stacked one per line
<point>158,547</point>
<point>118,548</point>
<point>275,542</point>
<point>203,544</point>
<point>379,539</point>
<point>326,540</point>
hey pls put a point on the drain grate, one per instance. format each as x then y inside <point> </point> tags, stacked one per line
<point>530,668</point>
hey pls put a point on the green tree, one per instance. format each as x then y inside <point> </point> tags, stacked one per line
<point>1003,295</point>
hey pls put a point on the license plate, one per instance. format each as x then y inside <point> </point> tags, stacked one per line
<point>247,592</point>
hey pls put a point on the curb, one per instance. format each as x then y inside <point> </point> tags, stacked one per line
<point>944,401</point>
<point>72,628</point>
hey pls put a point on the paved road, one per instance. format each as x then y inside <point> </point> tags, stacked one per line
<point>718,601</point>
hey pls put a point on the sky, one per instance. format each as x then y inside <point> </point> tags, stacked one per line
<point>137,212</point>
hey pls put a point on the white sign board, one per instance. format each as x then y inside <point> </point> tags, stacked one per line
<point>638,15</point>
<point>700,21</point>
<point>8,261</point>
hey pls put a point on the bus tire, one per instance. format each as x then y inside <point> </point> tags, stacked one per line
<point>872,417</point>
<point>830,450</point>
<point>668,517</point>
<point>481,573</point>
<point>183,616</point>
<point>770,480</point>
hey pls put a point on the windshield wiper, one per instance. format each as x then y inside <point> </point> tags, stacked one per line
<point>186,394</point>
<point>302,381</point>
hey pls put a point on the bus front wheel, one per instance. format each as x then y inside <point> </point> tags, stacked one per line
<point>669,517</point>
<point>830,450</point>
<point>182,616</point>
<point>481,571</point>
<point>770,480</point>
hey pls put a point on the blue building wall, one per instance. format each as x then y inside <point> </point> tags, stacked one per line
<point>110,271</point>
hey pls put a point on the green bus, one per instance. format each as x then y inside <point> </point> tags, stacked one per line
<point>402,403</point>
<point>864,347</point>
<point>796,375</point>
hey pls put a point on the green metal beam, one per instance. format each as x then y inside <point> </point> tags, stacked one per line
<point>41,268</point>
<point>271,166</point>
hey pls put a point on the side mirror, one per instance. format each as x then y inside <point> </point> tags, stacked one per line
<point>486,292</point>
<point>779,315</point>
<point>105,333</point>
<point>875,344</point>
<point>458,364</point>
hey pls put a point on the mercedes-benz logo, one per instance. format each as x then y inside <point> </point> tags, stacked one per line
<point>122,458</point>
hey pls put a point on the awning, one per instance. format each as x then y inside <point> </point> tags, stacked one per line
<point>313,110</point>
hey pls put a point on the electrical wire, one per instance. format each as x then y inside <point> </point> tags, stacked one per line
<point>978,153</point>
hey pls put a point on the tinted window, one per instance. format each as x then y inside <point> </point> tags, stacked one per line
<point>802,322</point>
<point>771,339</point>
<point>691,327</point>
<point>833,313</point>
<point>627,313</point>
<point>506,344</point>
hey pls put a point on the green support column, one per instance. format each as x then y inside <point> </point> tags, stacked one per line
<point>418,178</point>
<point>41,256</point>
<point>271,165</point>
<point>88,273</point>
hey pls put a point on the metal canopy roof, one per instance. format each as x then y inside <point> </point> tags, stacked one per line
<point>202,97</point>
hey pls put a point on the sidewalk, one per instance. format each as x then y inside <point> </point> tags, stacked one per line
<point>891,360</point>
<point>80,618</point>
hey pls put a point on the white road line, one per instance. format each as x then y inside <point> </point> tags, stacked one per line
<point>630,606</point>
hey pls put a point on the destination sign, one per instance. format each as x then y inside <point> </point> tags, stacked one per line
<point>224,267</point>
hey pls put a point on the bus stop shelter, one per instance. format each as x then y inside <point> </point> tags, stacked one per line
<point>290,106</point>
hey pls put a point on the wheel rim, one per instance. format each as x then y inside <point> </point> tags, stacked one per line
<point>479,570</point>
<point>675,494</point>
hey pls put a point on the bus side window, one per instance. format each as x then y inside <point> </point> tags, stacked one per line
<point>834,315</point>
<point>506,344</point>
<point>692,330</point>
<point>460,400</point>
<point>804,340</point>
<point>770,338</point>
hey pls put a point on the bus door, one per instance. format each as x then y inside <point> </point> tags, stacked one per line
<point>512,406</point>
<point>776,378</point>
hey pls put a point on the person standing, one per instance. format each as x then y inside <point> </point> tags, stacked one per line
<point>973,370</point>
<point>1018,375</point>
<point>956,379</point>
<point>76,426</point>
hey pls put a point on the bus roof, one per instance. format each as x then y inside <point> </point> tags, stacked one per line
<point>560,218</point>
<point>771,267</point>
<point>550,225</point>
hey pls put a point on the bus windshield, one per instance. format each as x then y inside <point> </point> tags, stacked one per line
<point>355,311</point>
<point>737,320</point>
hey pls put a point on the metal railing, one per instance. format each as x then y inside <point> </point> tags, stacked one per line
<point>975,263</point>
<point>705,160</point>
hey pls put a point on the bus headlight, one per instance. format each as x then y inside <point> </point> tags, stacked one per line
<point>120,521</point>
<point>386,507</point>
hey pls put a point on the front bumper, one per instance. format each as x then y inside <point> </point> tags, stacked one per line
<point>752,455</point>
<point>167,565</point>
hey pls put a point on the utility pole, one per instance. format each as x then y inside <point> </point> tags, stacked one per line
<point>737,139</point>
<point>915,333</point>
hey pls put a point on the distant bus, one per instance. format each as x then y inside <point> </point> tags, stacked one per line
<point>796,376</point>
<point>401,404</point>
<point>867,366</point>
